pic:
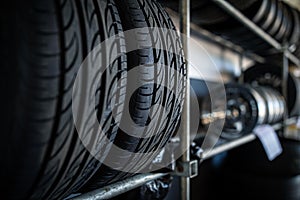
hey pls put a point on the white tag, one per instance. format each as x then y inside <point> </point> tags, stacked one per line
<point>159,157</point>
<point>298,123</point>
<point>269,139</point>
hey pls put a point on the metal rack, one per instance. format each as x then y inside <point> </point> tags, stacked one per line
<point>185,137</point>
<point>120,187</point>
<point>281,48</point>
<point>287,56</point>
<point>225,146</point>
<point>257,30</point>
<point>138,180</point>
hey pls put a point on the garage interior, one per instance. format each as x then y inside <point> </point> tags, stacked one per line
<point>236,122</point>
<point>239,168</point>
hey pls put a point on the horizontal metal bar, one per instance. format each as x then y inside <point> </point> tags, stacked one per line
<point>256,29</point>
<point>225,43</point>
<point>291,121</point>
<point>288,122</point>
<point>119,187</point>
<point>215,39</point>
<point>243,140</point>
<point>227,146</point>
<point>138,180</point>
<point>292,58</point>
<point>247,22</point>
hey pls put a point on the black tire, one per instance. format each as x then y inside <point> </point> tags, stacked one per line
<point>259,74</point>
<point>43,46</point>
<point>141,14</point>
<point>207,13</point>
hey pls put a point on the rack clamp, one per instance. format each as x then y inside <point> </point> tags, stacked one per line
<point>190,168</point>
<point>186,169</point>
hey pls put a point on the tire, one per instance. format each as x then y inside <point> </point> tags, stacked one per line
<point>258,73</point>
<point>43,46</point>
<point>141,14</point>
<point>207,13</point>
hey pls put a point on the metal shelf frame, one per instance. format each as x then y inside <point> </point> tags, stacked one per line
<point>287,56</point>
<point>185,26</point>
<point>231,10</point>
<point>120,187</point>
<point>184,10</point>
<point>225,146</point>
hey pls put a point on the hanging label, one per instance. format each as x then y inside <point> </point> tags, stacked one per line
<point>269,139</point>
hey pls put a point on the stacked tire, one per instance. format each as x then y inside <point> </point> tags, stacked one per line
<point>43,46</point>
<point>275,17</point>
<point>271,76</point>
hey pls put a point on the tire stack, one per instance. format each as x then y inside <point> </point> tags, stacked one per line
<point>44,43</point>
<point>246,172</point>
<point>276,18</point>
<point>247,106</point>
<point>271,76</point>
<point>210,13</point>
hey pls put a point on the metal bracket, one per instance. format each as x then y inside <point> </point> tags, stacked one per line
<point>187,169</point>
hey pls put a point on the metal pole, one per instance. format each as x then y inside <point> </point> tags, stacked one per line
<point>119,187</point>
<point>285,74</point>
<point>185,135</point>
<point>241,59</point>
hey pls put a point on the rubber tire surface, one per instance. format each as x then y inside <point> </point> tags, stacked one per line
<point>208,13</point>
<point>141,14</point>
<point>256,74</point>
<point>43,45</point>
<point>205,12</point>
